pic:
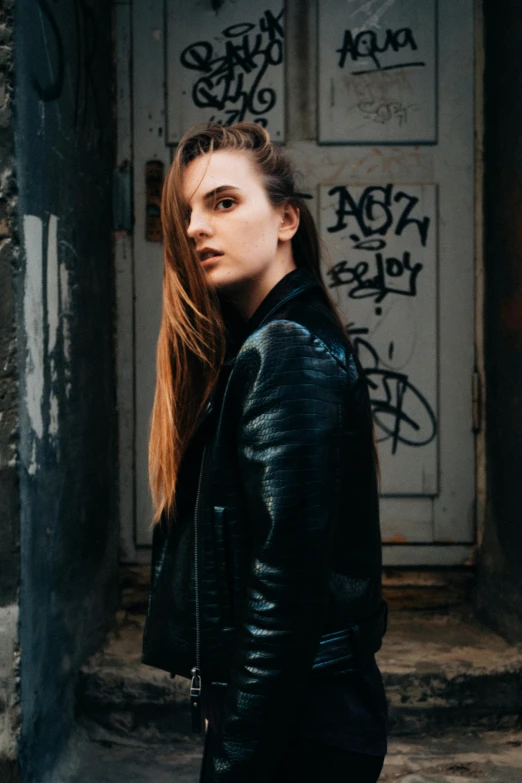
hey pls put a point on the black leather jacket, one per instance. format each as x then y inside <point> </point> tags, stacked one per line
<point>279,486</point>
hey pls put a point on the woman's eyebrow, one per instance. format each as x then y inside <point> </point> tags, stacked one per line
<point>216,191</point>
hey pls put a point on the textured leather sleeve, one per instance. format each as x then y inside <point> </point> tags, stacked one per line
<point>289,442</point>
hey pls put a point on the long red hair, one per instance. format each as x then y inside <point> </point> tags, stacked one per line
<point>192,339</point>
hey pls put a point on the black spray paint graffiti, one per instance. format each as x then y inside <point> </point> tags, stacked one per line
<point>231,83</point>
<point>401,412</point>
<point>373,211</point>
<point>86,109</point>
<point>366,44</point>
<point>373,216</point>
<point>391,273</point>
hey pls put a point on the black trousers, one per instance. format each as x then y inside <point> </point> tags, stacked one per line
<point>308,761</point>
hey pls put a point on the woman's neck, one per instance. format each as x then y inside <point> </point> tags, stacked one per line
<point>249,296</point>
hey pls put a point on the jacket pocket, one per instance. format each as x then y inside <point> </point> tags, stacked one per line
<point>223,562</point>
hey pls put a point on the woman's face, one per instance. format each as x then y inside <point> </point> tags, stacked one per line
<point>241,239</point>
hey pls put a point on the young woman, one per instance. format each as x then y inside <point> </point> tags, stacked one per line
<point>266,561</point>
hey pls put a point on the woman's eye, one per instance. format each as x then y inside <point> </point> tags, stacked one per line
<point>225,203</point>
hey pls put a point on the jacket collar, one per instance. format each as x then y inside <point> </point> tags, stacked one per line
<point>290,286</point>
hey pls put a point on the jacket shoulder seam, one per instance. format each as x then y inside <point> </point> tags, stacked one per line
<point>302,327</point>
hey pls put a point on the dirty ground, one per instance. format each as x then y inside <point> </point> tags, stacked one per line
<point>467,757</point>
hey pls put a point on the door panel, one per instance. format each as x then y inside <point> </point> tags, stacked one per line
<point>224,63</point>
<point>377,72</point>
<point>382,246</point>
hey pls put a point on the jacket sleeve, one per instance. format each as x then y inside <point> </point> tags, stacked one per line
<point>289,444</point>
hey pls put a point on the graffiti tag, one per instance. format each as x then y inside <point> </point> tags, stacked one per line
<point>401,412</point>
<point>366,43</point>
<point>231,82</point>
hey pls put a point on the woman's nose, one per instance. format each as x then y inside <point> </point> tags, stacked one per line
<point>198,225</point>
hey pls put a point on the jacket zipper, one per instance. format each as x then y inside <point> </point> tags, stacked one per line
<point>195,686</point>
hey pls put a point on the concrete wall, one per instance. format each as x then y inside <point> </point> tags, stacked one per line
<point>499,594</point>
<point>9,485</point>
<point>65,314</point>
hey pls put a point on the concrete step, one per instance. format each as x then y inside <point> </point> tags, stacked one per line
<point>441,671</point>
<point>448,670</point>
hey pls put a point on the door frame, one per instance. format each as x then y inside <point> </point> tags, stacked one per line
<point>396,555</point>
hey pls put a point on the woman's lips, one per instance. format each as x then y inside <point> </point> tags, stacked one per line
<point>211,259</point>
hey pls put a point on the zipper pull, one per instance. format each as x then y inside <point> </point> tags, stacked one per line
<point>195,699</point>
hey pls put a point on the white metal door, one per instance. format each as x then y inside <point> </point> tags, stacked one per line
<point>374,100</point>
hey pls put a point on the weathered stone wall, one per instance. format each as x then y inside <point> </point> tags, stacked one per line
<point>9,485</point>
<point>499,585</point>
<point>64,315</point>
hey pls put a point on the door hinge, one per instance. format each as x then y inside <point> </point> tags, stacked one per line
<point>476,387</point>
<point>122,217</point>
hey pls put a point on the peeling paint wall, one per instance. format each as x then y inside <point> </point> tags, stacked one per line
<point>9,483</point>
<point>499,586</point>
<point>48,342</point>
<point>65,315</point>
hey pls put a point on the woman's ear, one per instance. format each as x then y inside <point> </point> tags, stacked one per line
<point>289,222</point>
